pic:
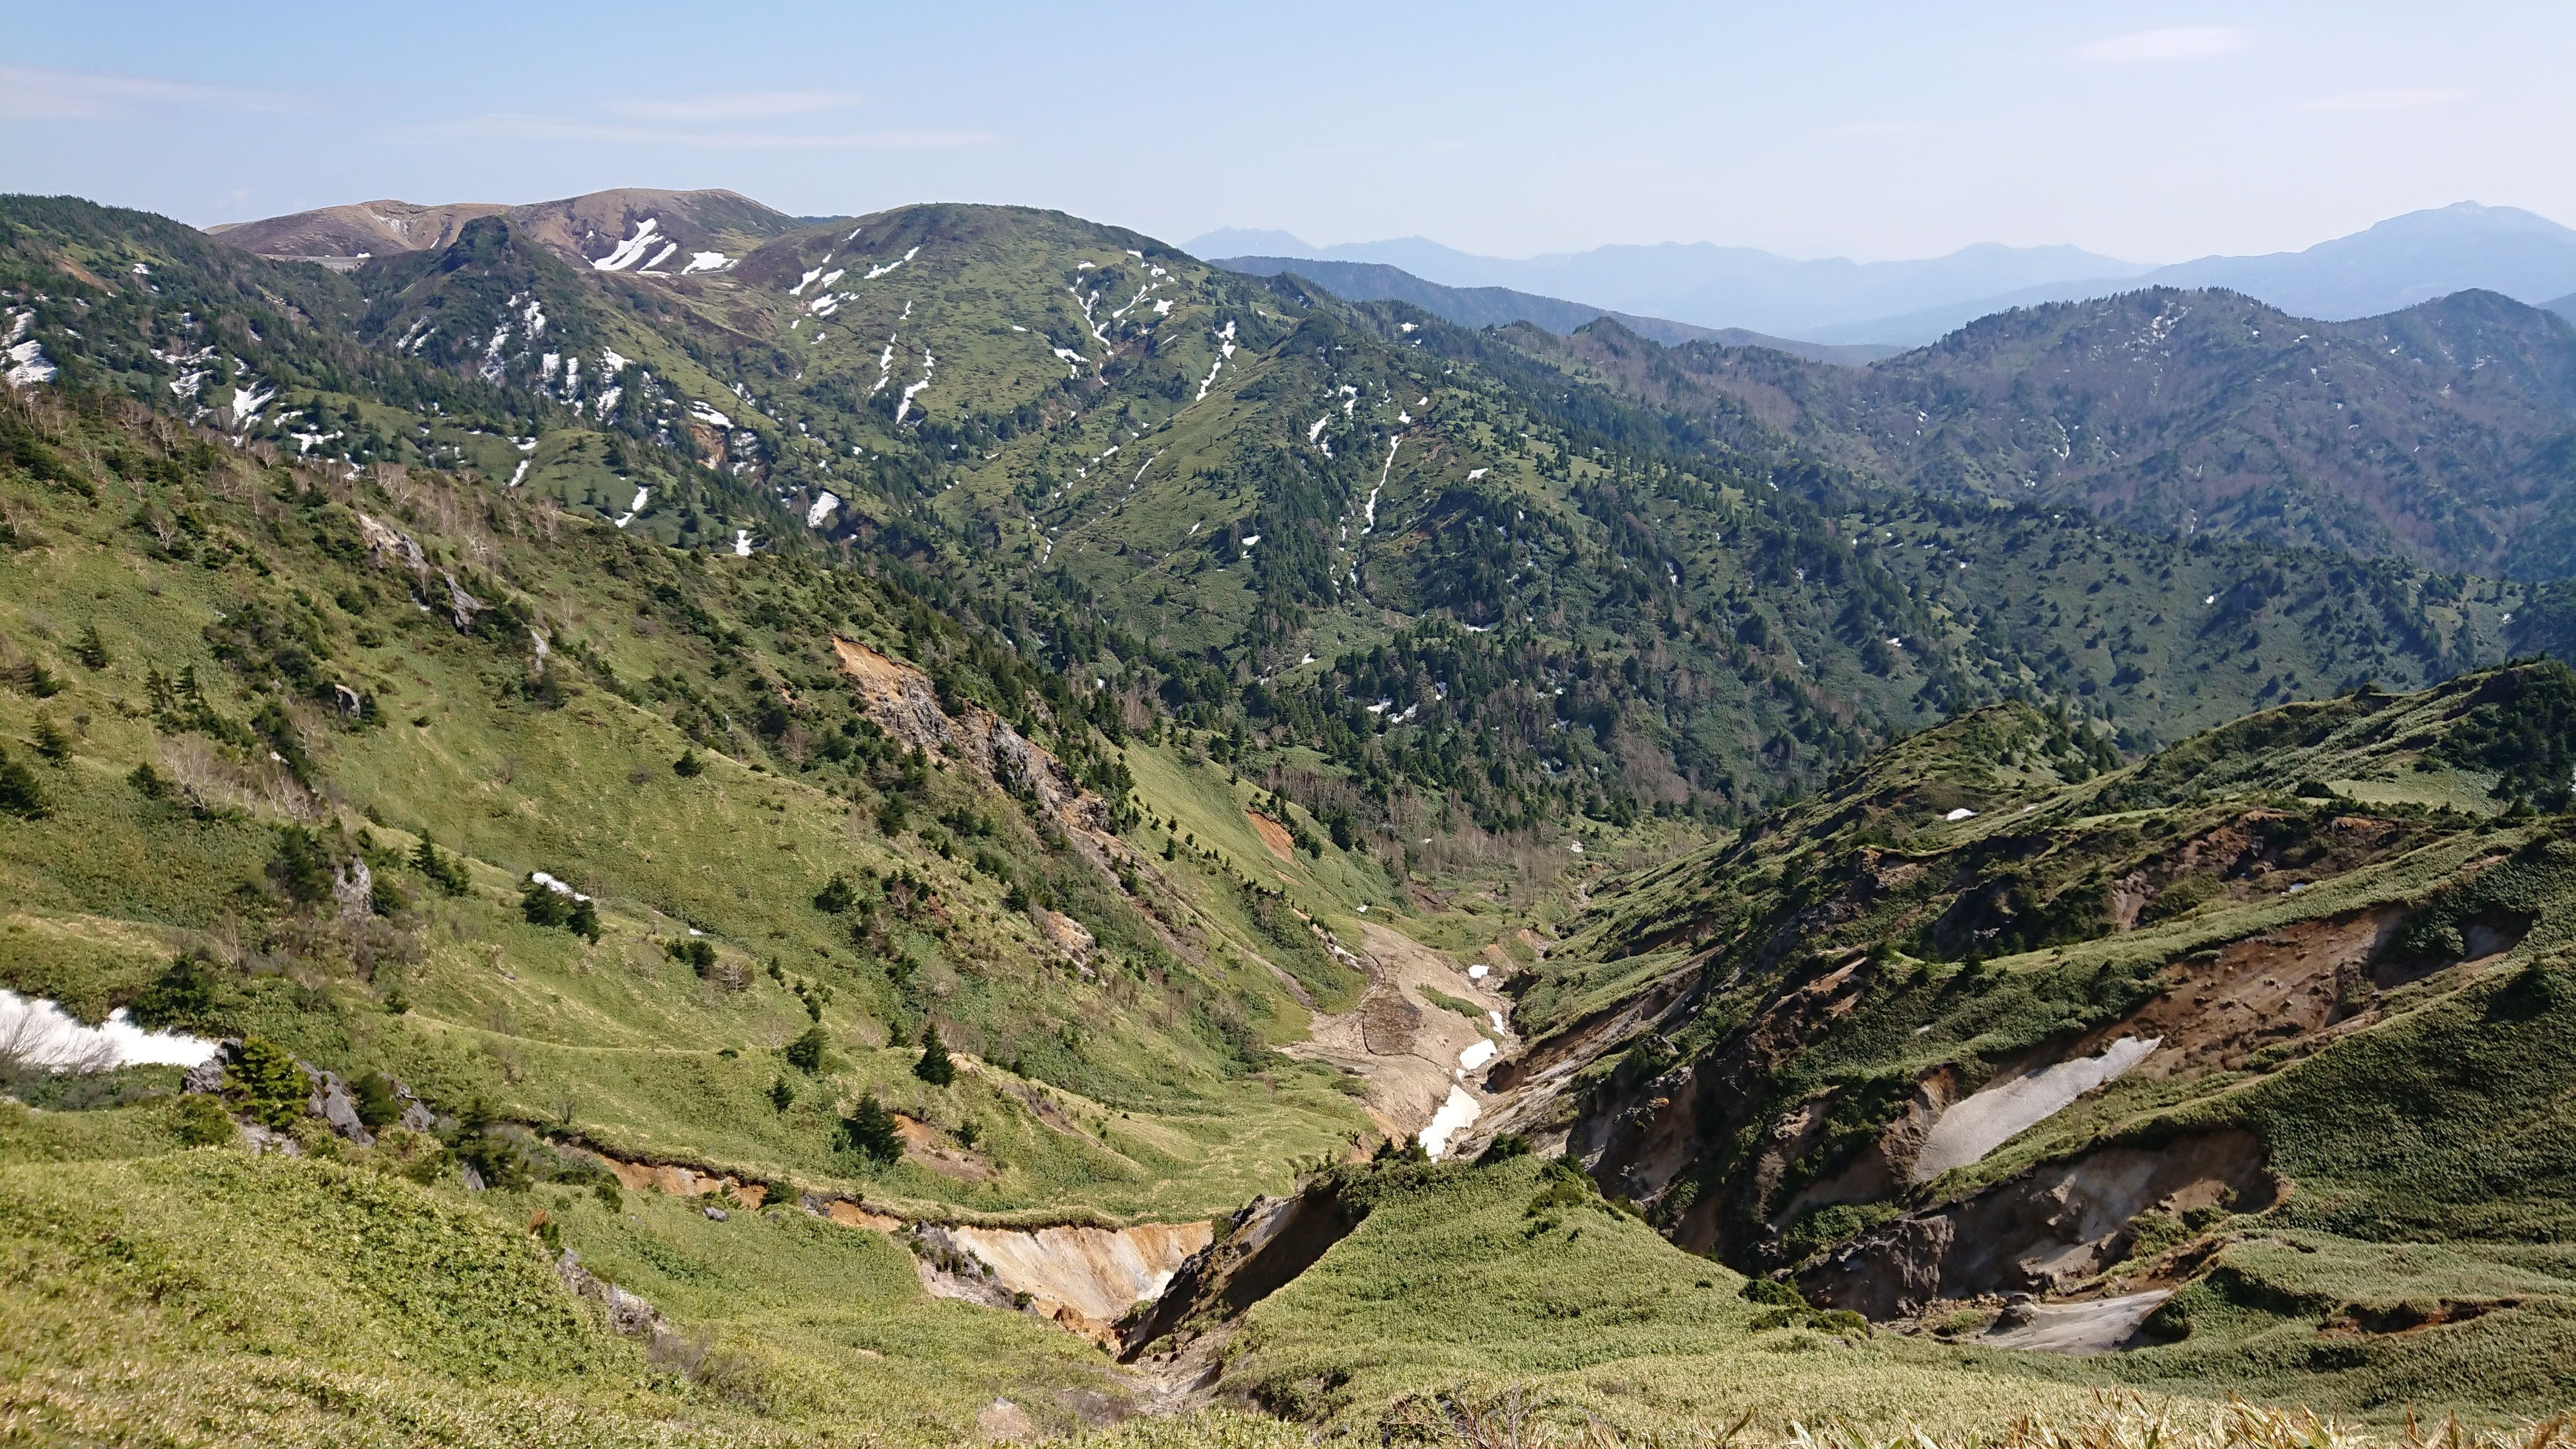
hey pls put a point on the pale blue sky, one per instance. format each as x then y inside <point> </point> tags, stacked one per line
<point>2152,132</point>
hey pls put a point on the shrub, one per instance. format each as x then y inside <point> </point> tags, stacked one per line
<point>836,895</point>
<point>805,1053</point>
<point>584,921</point>
<point>198,1120</point>
<point>441,870</point>
<point>688,765</point>
<point>543,905</point>
<point>377,1102</point>
<point>301,867</point>
<point>20,794</point>
<point>1773,1293</point>
<point>51,742</point>
<point>934,1066</point>
<point>148,782</point>
<point>689,951</point>
<point>265,1080</point>
<point>91,651</point>
<point>609,1196</point>
<point>181,997</point>
<point>869,1130</point>
<point>781,1095</point>
<point>1503,1149</point>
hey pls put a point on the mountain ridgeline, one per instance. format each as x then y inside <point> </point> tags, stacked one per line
<point>958,822</point>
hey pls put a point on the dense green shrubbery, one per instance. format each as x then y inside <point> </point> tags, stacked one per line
<point>264,1080</point>
<point>870,1131</point>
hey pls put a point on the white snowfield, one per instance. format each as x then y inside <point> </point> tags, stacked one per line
<point>742,543</point>
<point>549,882</point>
<point>1477,1054</point>
<point>1990,1118</point>
<point>821,509</point>
<point>40,1033</point>
<point>706,262</point>
<point>642,495</point>
<point>1454,1116</point>
<point>247,401</point>
<point>631,250</point>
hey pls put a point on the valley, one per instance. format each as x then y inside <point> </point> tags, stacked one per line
<point>957,825</point>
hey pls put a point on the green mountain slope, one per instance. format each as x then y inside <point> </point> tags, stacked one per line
<point>964,725</point>
<point>1983,1019</point>
<point>2435,434</point>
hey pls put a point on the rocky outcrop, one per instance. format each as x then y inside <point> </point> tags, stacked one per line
<point>904,703</point>
<point>626,1313</point>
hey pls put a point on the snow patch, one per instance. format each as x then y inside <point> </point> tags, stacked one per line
<point>1454,1116</point>
<point>1988,1119</point>
<point>876,272</point>
<point>706,262</point>
<point>40,1033</point>
<point>631,249</point>
<point>1225,349</point>
<point>820,510</point>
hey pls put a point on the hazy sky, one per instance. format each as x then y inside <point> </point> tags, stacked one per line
<point>2152,132</point>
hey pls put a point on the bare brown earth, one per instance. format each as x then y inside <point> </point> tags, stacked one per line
<point>1404,1047</point>
<point>1273,834</point>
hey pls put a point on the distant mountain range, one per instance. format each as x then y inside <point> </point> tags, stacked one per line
<point>2390,266</point>
<point>2440,433</point>
<point>599,229</point>
<point>1501,306</point>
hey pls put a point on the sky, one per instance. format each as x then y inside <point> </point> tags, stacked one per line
<point>2148,132</point>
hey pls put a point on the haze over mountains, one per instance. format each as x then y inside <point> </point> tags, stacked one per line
<point>2397,263</point>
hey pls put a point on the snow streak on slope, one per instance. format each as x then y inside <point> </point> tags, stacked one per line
<point>630,250</point>
<point>928,363</point>
<point>1224,350</point>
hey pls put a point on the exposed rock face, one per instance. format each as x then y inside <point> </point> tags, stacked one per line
<point>387,545</point>
<point>352,889</point>
<point>901,699</point>
<point>1269,1242</point>
<point>627,1313</point>
<point>1082,1277</point>
<point>331,1102</point>
<point>680,1181</point>
<point>2049,1228</point>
